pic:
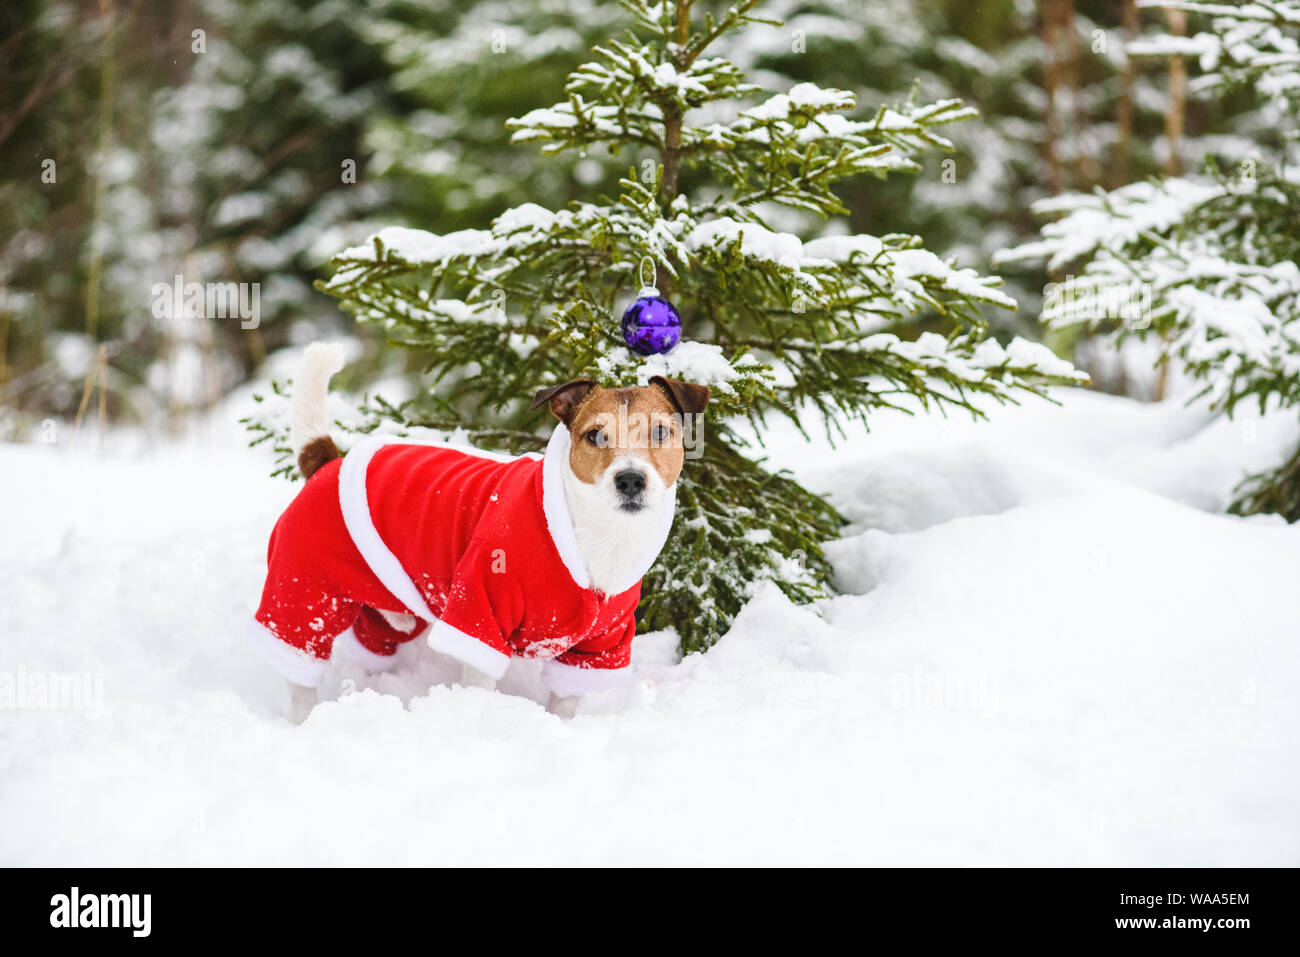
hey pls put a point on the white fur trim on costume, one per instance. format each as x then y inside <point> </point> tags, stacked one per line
<point>558,520</point>
<point>559,524</point>
<point>468,650</point>
<point>571,680</point>
<point>307,418</point>
<point>355,504</point>
<point>361,526</point>
<point>298,666</point>
<point>359,654</point>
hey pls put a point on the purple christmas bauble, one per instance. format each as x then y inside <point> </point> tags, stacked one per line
<point>651,326</point>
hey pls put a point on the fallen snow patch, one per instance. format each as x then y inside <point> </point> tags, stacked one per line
<point>1047,651</point>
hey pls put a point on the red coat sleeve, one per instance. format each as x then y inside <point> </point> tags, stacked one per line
<point>611,649</point>
<point>600,661</point>
<point>483,608</point>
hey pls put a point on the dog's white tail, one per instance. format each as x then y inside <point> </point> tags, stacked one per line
<point>308,421</point>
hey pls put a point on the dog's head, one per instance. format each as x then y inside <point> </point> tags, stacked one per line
<point>628,445</point>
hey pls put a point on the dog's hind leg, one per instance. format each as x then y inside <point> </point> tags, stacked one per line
<point>301,700</point>
<point>563,705</point>
<point>471,677</point>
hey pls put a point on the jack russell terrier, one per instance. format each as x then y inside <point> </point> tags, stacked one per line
<point>489,557</point>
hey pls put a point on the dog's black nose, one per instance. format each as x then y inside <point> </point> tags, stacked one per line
<point>630,482</point>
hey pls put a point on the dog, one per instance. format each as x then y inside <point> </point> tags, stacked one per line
<point>488,557</point>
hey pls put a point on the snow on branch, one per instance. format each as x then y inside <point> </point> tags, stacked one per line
<point>1251,44</point>
<point>1098,221</point>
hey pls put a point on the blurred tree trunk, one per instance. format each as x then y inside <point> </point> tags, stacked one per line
<point>1086,168</point>
<point>103,146</point>
<point>1120,168</point>
<point>1050,23</point>
<point>1176,110</point>
<point>1175,117</point>
<point>4,350</point>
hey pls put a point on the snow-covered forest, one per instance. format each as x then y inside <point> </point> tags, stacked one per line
<point>989,553</point>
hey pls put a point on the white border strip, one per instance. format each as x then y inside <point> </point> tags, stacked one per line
<point>555,507</point>
<point>355,505</point>
<point>571,680</point>
<point>361,526</point>
<point>468,649</point>
<point>298,666</point>
<point>359,654</point>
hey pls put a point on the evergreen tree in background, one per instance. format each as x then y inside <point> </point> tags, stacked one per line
<point>140,141</point>
<point>221,159</point>
<point>772,325</point>
<point>1205,265</point>
<point>450,159</point>
<point>461,71</point>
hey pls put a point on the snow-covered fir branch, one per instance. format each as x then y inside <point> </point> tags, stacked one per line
<point>1203,265</point>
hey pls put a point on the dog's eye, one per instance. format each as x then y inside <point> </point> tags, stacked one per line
<point>595,437</point>
<point>661,433</point>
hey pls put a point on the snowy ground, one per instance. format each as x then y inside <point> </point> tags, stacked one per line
<point>1049,650</point>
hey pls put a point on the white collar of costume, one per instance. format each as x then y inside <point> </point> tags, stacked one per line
<point>556,507</point>
<point>355,505</point>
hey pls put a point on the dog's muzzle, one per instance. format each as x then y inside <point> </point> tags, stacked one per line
<point>630,485</point>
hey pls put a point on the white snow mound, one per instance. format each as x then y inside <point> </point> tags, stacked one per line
<point>1048,650</point>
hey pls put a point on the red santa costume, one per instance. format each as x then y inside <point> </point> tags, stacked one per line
<point>478,547</point>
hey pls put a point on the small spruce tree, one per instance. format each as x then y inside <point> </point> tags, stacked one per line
<point>772,324</point>
<point>1205,265</point>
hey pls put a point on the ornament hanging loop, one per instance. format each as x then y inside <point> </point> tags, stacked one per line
<point>647,281</point>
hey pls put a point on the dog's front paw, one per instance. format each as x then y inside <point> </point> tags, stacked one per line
<point>301,701</point>
<point>563,706</point>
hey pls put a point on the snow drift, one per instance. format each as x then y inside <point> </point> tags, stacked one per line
<point>1048,650</point>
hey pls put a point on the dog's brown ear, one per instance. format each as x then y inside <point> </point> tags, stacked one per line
<point>563,399</point>
<point>689,398</point>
